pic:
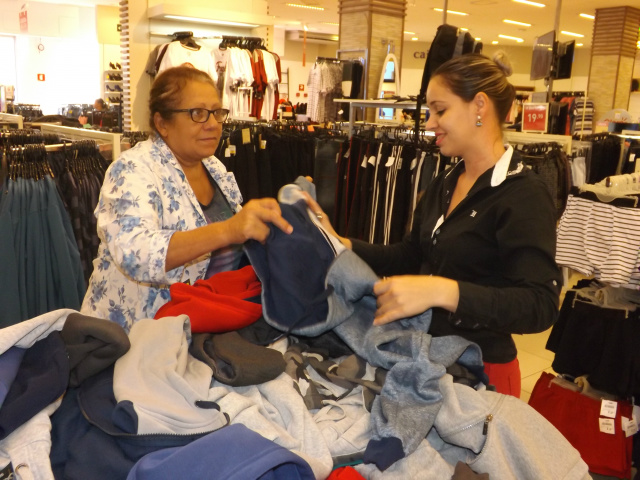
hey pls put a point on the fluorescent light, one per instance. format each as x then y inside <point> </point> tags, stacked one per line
<point>517,39</point>
<point>452,12</point>
<point>579,44</point>
<point>414,39</point>
<point>572,34</point>
<point>495,42</point>
<point>533,4</point>
<point>478,39</point>
<point>305,6</point>
<point>464,29</point>
<point>213,22</point>
<point>329,23</point>
<point>586,15</point>
<point>513,22</point>
<point>409,33</point>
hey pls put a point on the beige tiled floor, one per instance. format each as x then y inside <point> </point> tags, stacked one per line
<point>533,358</point>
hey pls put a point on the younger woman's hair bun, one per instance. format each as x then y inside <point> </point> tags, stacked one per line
<point>501,59</point>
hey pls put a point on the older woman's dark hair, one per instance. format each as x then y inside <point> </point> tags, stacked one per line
<point>167,87</point>
<point>468,75</point>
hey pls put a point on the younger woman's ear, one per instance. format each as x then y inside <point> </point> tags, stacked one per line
<point>481,102</point>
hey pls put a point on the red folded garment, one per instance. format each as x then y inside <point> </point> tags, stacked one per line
<point>217,304</point>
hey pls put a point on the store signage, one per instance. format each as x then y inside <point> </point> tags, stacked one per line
<point>24,24</point>
<point>535,117</point>
<point>41,77</point>
<point>419,54</point>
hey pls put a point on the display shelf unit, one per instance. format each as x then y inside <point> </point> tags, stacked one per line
<point>110,82</point>
<point>355,103</point>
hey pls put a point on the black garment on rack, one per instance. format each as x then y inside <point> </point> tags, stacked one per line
<point>605,155</point>
<point>79,172</point>
<point>599,342</point>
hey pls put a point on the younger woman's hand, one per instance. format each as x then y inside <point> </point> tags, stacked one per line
<point>408,295</point>
<point>324,219</point>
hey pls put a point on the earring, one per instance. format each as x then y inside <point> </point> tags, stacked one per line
<point>479,121</point>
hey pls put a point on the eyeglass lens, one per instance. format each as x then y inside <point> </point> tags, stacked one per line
<point>201,115</point>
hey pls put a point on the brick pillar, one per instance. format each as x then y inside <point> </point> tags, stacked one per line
<point>613,51</point>
<point>374,25</point>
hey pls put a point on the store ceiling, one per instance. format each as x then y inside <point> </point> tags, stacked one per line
<point>484,19</point>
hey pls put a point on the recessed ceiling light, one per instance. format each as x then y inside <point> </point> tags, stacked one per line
<point>527,2</point>
<point>409,33</point>
<point>213,22</point>
<point>508,37</point>
<point>586,15</point>
<point>579,35</point>
<point>414,39</point>
<point>495,42</point>
<point>452,12</point>
<point>513,22</point>
<point>305,6</point>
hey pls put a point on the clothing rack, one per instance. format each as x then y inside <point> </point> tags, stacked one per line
<point>521,137</point>
<point>101,138</point>
<point>328,60</point>
<point>570,93</point>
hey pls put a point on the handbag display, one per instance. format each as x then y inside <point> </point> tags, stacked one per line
<point>587,424</point>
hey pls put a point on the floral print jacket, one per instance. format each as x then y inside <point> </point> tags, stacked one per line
<point>145,198</point>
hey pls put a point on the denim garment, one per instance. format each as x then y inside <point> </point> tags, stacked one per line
<point>310,285</point>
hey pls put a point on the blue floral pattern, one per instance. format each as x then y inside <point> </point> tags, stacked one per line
<point>144,200</point>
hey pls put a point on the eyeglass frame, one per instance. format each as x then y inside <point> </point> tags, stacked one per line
<point>210,112</point>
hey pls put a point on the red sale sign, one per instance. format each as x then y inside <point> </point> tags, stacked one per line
<point>535,117</point>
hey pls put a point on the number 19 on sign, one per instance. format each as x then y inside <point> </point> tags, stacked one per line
<point>535,117</point>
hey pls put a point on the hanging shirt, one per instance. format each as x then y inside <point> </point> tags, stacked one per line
<point>268,107</point>
<point>178,54</point>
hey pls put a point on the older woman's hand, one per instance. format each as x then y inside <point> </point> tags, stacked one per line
<point>252,221</point>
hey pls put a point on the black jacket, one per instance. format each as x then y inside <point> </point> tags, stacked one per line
<point>498,244</point>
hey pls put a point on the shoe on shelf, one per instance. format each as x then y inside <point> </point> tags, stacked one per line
<point>113,67</point>
<point>108,88</point>
<point>117,88</point>
<point>118,66</point>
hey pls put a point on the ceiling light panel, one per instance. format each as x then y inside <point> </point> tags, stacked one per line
<point>513,22</point>
<point>452,12</point>
<point>586,15</point>
<point>509,37</point>
<point>310,7</point>
<point>533,4</point>
<point>571,34</point>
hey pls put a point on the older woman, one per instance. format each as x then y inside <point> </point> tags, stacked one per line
<point>169,211</point>
<point>482,249</point>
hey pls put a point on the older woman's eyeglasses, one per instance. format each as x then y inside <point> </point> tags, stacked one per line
<point>201,115</point>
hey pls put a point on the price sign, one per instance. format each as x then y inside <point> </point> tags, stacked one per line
<point>535,117</point>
